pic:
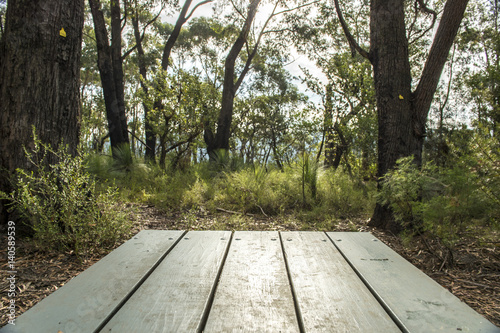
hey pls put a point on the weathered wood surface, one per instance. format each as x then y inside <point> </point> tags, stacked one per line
<point>175,297</point>
<point>218,281</point>
<point>330,296</point>
<point>85,302</point>
<point>253,294</point>
<point>416,301</point>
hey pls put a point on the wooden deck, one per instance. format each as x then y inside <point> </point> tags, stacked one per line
<point>219,281</point>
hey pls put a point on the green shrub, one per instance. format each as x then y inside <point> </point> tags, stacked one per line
<point>63,207</point>
<point>447,203</point>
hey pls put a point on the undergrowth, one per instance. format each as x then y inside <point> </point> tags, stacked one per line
<point>63,205</point>
<point>302,188</point>
<point>446,203</point>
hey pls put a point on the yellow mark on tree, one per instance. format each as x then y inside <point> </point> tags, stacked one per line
<point>401,97</point>
<point>62,32</point>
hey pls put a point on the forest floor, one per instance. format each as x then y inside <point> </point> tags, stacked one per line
<point>474,276</point>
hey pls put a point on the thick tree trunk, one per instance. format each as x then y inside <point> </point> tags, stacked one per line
<point>402,115</point>
<point>39,80</point>
<point>391,68</point>
<point>111,77</point>
<point>116,57</point>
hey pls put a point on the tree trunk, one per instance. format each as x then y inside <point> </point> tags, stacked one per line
<point>391,68</point>
<point>221,139</point>
<point>111,75</point>
<point>169,45</point>
<point>116,57</point>
<point>148,128</point>
<point>341,147</point>
<point>328,128</point>
<point>402,115</point>
<point>274,143</point>
<point>39,80</point>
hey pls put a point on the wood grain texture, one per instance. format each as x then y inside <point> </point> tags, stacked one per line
<point>176,295</point>
<point>330,296</point>
<point>418,302</point>
<point>88,299</point>
<point>253,294</point>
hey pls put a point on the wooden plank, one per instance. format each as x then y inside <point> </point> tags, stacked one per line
<point>92,296</point>
<point>330,297</point>
<point>418,302</point>
<point>176,295</point>
<point>253,294</point>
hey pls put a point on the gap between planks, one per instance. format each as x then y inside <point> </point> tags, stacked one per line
<point>139,284</point>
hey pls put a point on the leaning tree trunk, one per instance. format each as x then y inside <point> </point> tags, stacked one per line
<point>39,80</point>
<point>221,139</point>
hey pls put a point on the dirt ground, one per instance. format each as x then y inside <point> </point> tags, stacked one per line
<point>474,276</point>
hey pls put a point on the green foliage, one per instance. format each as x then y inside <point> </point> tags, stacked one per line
<point>255,189</point>
<point>134,179</point>
<point>446,203</point>
<point>224,161</point>
<point>342,196</point>
<point>63,207</point>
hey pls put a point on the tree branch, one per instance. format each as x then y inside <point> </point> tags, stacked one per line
<point>151,21</point>
<point>187,140</point>
<point>237,10</point>
<point>352,42</point>
<point>126,54</point>
<point>426,10</point>
<point>254,51</point>
<point>137,138</point>
<point>447,30</point>
<point>298,7</point>
<point>196,7</point>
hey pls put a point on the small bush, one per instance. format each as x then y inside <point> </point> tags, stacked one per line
<point>446,203</point>
<point>63,207</point>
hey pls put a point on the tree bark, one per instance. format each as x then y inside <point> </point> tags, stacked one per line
<point>391,69</point>
<point>39,81</point>
<point>116,57</point>
<point>148,128</point>
<point>221,138</point>
<point>328,128</point>
<point>402,115</point>
<point>111,74</point>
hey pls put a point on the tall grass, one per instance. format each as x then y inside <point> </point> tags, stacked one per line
<point>302,187</point>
